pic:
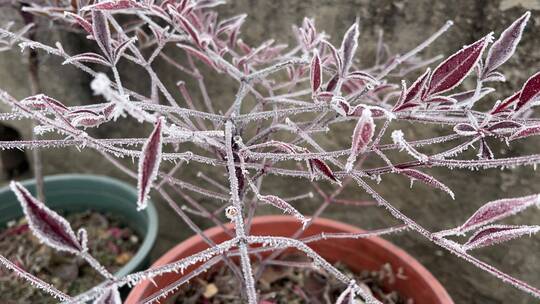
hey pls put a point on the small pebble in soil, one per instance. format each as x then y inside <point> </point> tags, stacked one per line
<point>109,240</point>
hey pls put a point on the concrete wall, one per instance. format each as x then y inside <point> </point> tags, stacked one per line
<point>405,24</point>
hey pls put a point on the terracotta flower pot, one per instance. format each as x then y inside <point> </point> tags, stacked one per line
<point>357,254</point>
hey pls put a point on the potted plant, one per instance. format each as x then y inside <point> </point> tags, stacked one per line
<point>126,236</point>
<point>287,101</point>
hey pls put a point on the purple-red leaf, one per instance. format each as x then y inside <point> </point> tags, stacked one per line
<point>505,46</point>
<point>503,106</point>
<point>121,48</point>
<point>198,54</point>
<point>190,29</point>
<point>42,102</point>
<point>529,92</point>
<point>495,234</point>
<point>284,206</point>
<point>101,31</point>
<point>497,210</point>
<point>88,120</point>
<point>82,22</point>
<point>362,135</point>
<point>417,87</point>
<point>47,225</point>
<point>321,166</point>
<point>485,151</point>
<point>504,126</point>
<point>110,296</point>
<point>88,57</point>
<point>348,47</point>
<point>465,129</point>
<point>149,164</point>
<point>453,70</point>
<point>113,5</point>
<point>315,73</point>
<point>359,75</point>
<point>427,179</point>
<point>441,100</point>
<point>335,55</point>
<point>526,132</point>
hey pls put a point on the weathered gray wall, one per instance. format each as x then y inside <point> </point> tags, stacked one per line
<point>405,23</point>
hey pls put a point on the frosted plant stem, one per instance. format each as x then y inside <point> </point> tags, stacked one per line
<point>354,98</point>
<point>33,280</point>
<point>359,235</point>
<point>197,230</point>
<point>238,217</point>
<point>283,242</point>
<point>448,245</point>
<point>97,266</point>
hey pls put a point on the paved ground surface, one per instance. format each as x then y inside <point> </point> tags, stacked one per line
<point>405,23</point>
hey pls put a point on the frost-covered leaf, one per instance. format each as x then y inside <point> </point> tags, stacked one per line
<point>87,26</point>
<point>113,5</point>
<point>494,77</point>
<point>109,296</point>
<point>453,70</point>
<point>338,61</point>
<point>42,102</point>
<point>441,100</point>
<point>484,152</point>
<point>505,46</point>
<point>319,165</point>
<point>467,95</point>
<point>417,87</point>
<point>348,47</point>
<point>200,55</point>
<point>190,29</point>
<point>495,234</point>
<point>504,105</point>
<point>364,76</point>
<point>497,210</point>
<point>284,206</point>
<point>102,33</point>
<point>526,132</point>
<point>121,48</point>
<point>46,225</point>
<point>427,179</point>
<point>504,126</point>
<point>529,92</point>
<point>315,72</point>
<point>149,164</point>
<point>88,57</point>
<point>88,120</point>
<point>362,135</point>
<point>465,129</point>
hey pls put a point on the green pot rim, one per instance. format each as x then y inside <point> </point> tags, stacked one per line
<point>150,235</point>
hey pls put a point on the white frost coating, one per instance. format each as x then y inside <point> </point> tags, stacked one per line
<point>34,281</point>
<point>285,207</point>
<point>398,138</point>
<point>110,296</point>
<point>101,85</point>
<point>64,240</point>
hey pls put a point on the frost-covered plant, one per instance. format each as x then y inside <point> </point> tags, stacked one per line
<point>283,92</point>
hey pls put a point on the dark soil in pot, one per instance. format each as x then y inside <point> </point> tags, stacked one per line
<point>290,280</point>
<point>110,242</point>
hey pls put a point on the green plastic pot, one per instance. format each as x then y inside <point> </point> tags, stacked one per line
<point>77,193</point>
